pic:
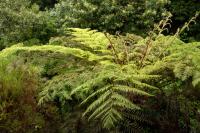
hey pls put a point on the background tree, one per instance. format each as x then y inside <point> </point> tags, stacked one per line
<point>116,15</point>
<point>182,11</point>
<point>44,4</point>
<point>20,21</point>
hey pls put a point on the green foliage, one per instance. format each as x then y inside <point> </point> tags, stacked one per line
<point>57,88</point>
<point>19,21</point>
<point>112,16</point>
<point>126,16</point>
<point>182,11</point>
<point>44,4</point>
<point>17,84</point>
<point>112,75</point>
<point>20,83</point>
<point>111,87</point>
<point>125,83</point>
<point>65,50</point>
<point>119,73</point>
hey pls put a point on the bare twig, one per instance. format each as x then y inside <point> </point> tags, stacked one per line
<point>113,49</point>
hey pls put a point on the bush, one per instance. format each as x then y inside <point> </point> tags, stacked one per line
<point>20,21</point>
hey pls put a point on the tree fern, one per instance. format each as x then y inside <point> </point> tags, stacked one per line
<point>56,88</point>
<point>117,76</point>
<point>65,50</point>
<point>111,87</point>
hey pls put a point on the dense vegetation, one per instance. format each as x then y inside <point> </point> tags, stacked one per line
<point>99,66</point>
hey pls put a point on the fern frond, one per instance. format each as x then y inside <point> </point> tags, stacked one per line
<point>121,101</point>
<point>128,89</point>
<point>96,93</point>
<point>108,120</point>
<point>102,109</point>
<point>144,85</point>
<point>90,38</point>
<point>196,79</point>
<point>97,102</point>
